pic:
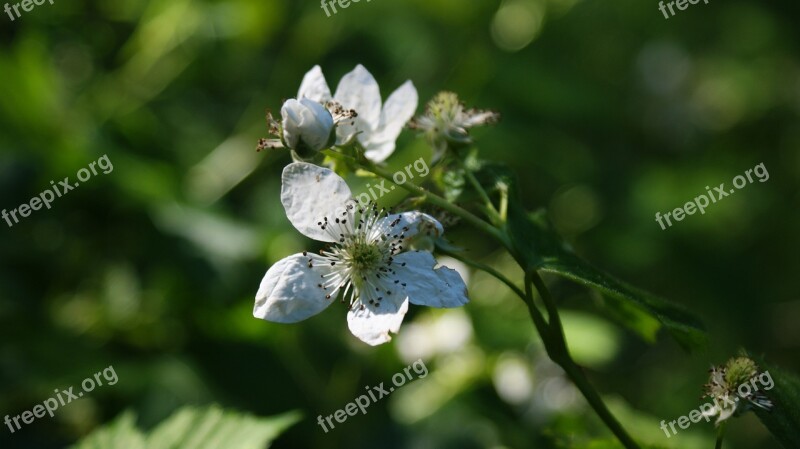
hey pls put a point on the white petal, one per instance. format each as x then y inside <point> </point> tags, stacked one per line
<point>372,325</point>
<point>306,121</point>
<point>309,193</point>
<point>358,90</point>
<point>442,287</point>
<point>290,293</point>
<point>397,111</point>
<point>317,124</point>
<point>377,152</point>
<point>475,118</point>
<point>416,222</point>
<point>291,118</point>
<point>314,86</point>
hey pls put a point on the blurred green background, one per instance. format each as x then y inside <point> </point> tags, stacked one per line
<point>610,114</point>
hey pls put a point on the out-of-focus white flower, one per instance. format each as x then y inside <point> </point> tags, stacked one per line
<point>432,335</point>
<point>368,263</point>
<point>377,126</point>
<point>446,122</point>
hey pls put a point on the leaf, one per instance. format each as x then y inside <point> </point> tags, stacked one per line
<point>537,246</point>
<point>541,248</point>
<point>453,183</point>
<point>192,427</point>
<point>121,433</point>
<point>632,317</point>
<point>490,176</point>
<point>783,421</point>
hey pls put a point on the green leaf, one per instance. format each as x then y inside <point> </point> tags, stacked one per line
<point>192,427</point>
<point>783,421</point>
<point>631,317</point>
<point>121,433</point>
<point>541,248</point>
<point>453,183</point>
<point>490,176</point>
<point>537,246</point>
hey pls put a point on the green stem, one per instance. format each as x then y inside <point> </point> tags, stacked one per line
<point>503,202</point>
<point>444,204</point>
<point>580,380</point>
<point>483,267</point>
<point>552,334</point>
<point>556,345</point>
<point>549,303</point>
<point>494,215</point>
<point>555,342</point>
<point>720,435</point>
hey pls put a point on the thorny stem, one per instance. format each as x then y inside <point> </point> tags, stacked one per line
<point>552,333</point>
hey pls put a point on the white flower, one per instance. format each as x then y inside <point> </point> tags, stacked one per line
<point>446,122</point>
<point>367,264</point>
<point>306,124</point>
<point>377,127</point>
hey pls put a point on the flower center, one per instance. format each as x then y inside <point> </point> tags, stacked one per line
<point>359,264</point>
<point>363,257</point>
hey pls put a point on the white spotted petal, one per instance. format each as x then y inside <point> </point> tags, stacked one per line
<point>412,223</point>
<point>426,286</point>
<point>309,193</point>
<point>373,325</point>
<point>288,292</point>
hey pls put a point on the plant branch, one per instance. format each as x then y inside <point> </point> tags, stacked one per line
<point>442,203</point>
<point>720,435</point>
<point>503,201</point>
<point>554,320</point>
<point>556,345</point>
<point>486,268</point>
<point>552,333</point>
<point>494,215</point>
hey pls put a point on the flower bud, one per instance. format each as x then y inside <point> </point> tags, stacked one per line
<point>446,123</point>
<point>307,126</point>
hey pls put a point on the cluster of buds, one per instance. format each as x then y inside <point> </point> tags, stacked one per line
<point>317,120</point>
